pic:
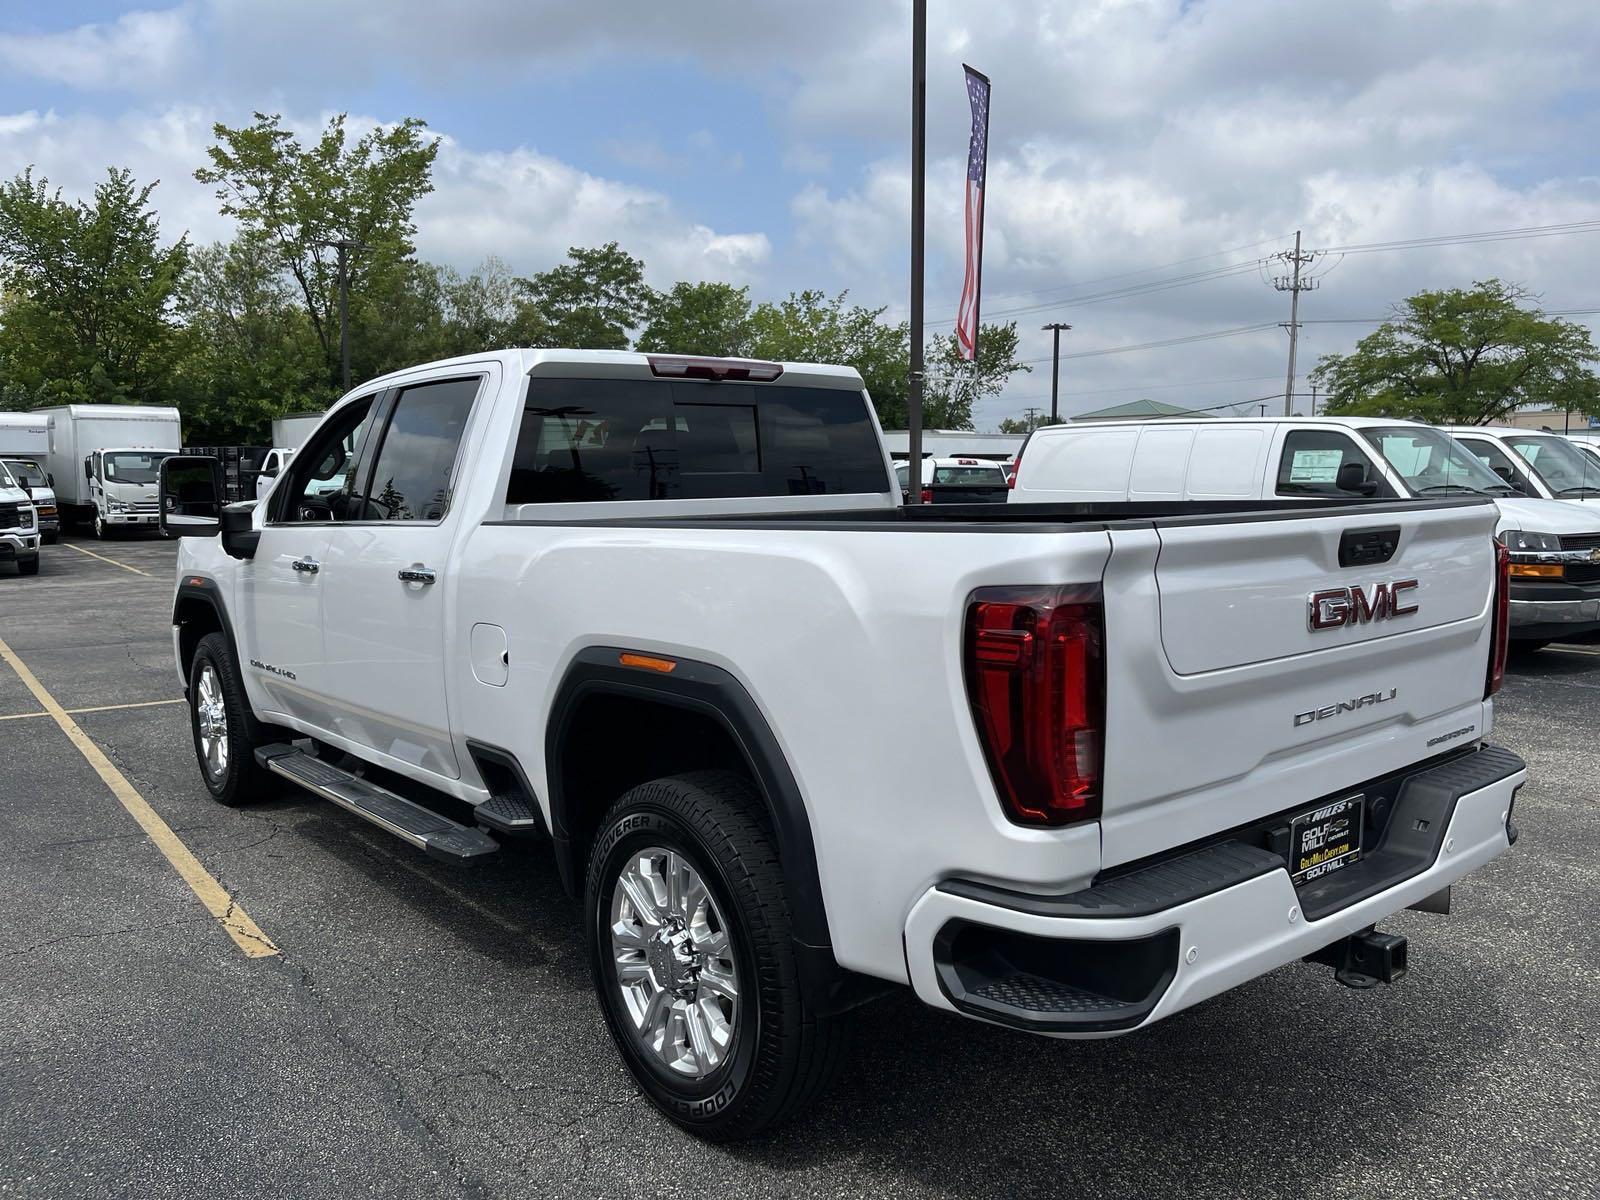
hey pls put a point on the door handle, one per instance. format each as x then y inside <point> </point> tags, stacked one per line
<point>417,574</point>
<point>308,565</point>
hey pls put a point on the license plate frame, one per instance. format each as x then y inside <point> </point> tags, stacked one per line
<point>1327,838</point>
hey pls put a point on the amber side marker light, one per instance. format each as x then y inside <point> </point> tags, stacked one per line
<point>1538,570</point>
<point>195,581</point>
<point>646,662</point>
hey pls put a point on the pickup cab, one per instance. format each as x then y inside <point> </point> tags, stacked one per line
<point>19,526</point>
<point>1068,769</point>
<point>1555,545</point>
<point>33,479</point>
<point>957,480</point>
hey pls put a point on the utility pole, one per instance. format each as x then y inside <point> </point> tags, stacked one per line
<point>1294,282</point>
<point>345,247</point>
<point>919,153</point>
<point>1313,399</point>
<point>1055,369</point>
<point>1030,417</point>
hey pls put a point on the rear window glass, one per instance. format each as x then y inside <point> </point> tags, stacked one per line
<point>991,474</point>
<point>636,439</point>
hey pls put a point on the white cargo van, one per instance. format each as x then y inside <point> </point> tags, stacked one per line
<point>1535,463</point>
<point>105,459</point>
<point>1555,546</point>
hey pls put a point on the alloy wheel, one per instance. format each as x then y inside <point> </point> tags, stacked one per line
<point>211,722</point>
<point>674,962</point>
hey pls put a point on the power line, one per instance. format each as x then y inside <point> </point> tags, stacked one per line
<point>1228,270</point>
<point>1177,341</point>
<point>1190,384</point>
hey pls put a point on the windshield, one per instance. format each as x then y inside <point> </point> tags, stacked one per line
<point>1566,470</point>
<point>134,466</point>
<point>1429,461</point>
<point>26,473</point>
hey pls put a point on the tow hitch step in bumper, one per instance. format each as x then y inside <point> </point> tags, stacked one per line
<point>421,827</point>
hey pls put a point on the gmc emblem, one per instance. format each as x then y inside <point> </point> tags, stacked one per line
<point>1338,607</point>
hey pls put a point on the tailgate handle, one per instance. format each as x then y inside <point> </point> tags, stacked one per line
<point>1363,547</point>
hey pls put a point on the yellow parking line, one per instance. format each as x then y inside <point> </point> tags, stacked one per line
<point>104,559</point>
<point>119,707</point>
<point>1575,650</point>
<point>245,933</point>
<point>99,708</point>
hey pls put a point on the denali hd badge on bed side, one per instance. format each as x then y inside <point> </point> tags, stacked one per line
<point>1337,607</point>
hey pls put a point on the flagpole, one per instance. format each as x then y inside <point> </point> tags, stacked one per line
<point>919,149</point>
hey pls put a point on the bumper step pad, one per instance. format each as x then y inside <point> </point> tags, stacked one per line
<point>421,827</point>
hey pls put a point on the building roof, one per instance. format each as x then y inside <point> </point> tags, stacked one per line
<point>1137,410</point>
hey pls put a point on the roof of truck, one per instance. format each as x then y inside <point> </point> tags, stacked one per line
<point>1351,422</point>
<point>617,363</point>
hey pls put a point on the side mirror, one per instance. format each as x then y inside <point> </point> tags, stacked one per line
<point>239,533</point>
<point>88,469</point>
<point>191,496</point>
<point>1352,477</point>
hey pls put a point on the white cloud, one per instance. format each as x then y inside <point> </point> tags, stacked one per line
<point>138,50</point>
<point>523,206</point>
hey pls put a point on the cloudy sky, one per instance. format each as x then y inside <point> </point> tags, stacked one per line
<point>1144,153</point>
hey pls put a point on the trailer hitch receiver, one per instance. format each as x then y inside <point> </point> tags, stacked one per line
<point>1365,959</point>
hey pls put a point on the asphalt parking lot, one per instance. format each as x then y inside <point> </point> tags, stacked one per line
<point>428,1031</point>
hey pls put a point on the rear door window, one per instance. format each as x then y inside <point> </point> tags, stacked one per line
<point>637,439</point>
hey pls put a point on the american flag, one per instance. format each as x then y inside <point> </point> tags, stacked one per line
<point>977,168</point>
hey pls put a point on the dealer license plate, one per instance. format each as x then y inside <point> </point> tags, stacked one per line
<point>1325,839</point>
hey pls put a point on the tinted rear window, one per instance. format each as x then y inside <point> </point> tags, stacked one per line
<point>637,439</point>
<point>976,475</point>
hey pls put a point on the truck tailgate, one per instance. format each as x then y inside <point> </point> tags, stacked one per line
<point>1261,662</point>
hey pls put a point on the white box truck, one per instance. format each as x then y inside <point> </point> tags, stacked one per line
<point>290,432</point>
<point>106,458</point>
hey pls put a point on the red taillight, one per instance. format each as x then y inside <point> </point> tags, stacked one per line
<point>1035,671</point>
<point>1502,620</point>
<point>927,495</point>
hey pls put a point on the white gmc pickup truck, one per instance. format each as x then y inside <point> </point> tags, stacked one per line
<point>1065,768</point>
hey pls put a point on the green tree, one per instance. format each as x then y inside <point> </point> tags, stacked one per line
<point>485,311</point>
<point>811,326</point>
<point>593,301</point>
<point>252,354</point>
<point>955,385</point>
<point>299,200</point>
<point>1464,357</point>
<point>699,318</point>
<point>1027,423</point>
<point>88,291</point>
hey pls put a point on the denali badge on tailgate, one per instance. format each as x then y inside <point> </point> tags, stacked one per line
<point>1337,607</point>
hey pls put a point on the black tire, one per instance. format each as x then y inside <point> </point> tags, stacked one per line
<point>102,531</point>
<point>241,779</point>
<point>50,539</point>
<point>28,566</point>
<point>782,1056</point>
